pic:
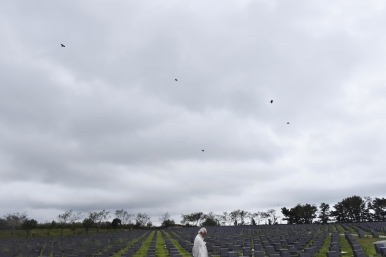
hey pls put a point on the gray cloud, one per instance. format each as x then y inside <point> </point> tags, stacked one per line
<point>101,123</point>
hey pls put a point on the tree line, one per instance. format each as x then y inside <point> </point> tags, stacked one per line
<point>74,220</point>
<point>350,209</point>
<point>234,218</point>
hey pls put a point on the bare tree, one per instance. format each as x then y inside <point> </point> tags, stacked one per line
<point>225,219</point>
<point>142,219</point>
<point>93,216</point>
<point>128,218</point>
<point>15,220</point>
<point>185,219</point>
<point>193,218</point>
<point>99,217</point>
<point>75,216</point>
<point>242,216</point>
<point>272,218</point>
<point>235,216</point>
<point>252,216</point>
<point>120,214</point>
<point>219,219</point>
<point>264,216</point>
<point>210,215</point>
<point>258,217</point>
<point>211,219</point>
<point>124,216</point>
<point>63,219</point>
<point>164,217</point>
<point>104,215</point>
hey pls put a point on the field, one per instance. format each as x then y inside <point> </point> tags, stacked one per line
<point>53,232</point>
<point>294,239</point>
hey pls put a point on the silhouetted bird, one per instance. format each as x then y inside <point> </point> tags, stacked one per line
<point>62,45</point>
<point>287,122</point>
<point>271,101</point>
<point>175,79</point>
<point>202,150</point>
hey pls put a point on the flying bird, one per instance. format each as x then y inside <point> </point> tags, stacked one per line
<point>271,101</point>
<point>175,79</point>
<point>62,45</point>
<point>287,122</point>
<point>202,150</point>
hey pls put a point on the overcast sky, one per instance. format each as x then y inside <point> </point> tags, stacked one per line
<point>102,124</point>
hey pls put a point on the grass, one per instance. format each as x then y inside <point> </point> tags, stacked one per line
<point>324,249</point>
<point>160,246</point>
<point>130,243</point>
<point>178,246</point>
<point>145,246</point>
<point>341,229</point>
<point>346,247</point>
<point>367,245</point>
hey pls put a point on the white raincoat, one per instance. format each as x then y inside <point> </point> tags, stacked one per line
<point>199,248</point>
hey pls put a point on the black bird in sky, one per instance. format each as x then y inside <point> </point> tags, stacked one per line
<point>287,122</point>
<point>271,101</point>
<point>202,150</point>
<point>62,45</point>
<point>175,79</point>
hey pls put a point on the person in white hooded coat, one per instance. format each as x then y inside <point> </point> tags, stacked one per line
<point>199,248</point>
